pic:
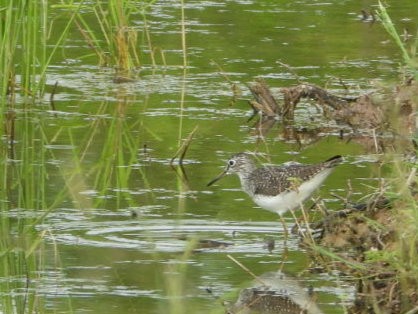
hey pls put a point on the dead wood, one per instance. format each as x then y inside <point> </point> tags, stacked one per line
<point>293,95</point>
<point>364,112</point>
<point>264,101</point>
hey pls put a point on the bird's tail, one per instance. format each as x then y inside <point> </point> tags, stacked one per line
<point>333,161</point>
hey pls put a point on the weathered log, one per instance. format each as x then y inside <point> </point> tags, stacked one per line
<point>363,112</point>
<point>264,101</point>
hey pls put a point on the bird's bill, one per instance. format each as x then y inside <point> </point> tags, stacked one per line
<point>224,173</point>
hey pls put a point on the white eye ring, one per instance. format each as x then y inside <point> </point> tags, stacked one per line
<point>231,163</point>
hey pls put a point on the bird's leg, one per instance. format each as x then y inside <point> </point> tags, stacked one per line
<point>308,233</point>
<point>285,250</point>
<point>296,229</point>
<point>286,233</point>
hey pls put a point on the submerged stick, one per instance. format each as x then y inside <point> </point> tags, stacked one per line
<point>183,148</point>
<point>10,129</point>
<point>51,98</point>
<point>182,152</point>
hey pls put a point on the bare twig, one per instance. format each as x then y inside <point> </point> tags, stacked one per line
<point>245,269</point>
<point>183,148</point>
<point>51,97</point>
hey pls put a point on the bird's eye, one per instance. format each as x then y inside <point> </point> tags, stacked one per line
<point>231,163</point>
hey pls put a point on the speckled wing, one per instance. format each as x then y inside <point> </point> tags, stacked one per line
<point>275,180</point>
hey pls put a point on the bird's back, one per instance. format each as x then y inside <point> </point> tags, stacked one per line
<point>272,180</point>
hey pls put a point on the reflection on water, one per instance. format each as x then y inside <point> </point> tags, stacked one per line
<point>103,249</point>
<point>274,292</point>
<point>112,258</point>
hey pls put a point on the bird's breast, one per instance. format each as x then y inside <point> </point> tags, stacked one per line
<point>293,198</point>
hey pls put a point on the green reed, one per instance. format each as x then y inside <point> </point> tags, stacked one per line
<point>401,257</point>
<point>25,53</point>
<point>23,47</point>
<point>408,55</point>
<point>26,50</point>
<point>405,258</point>
<point>18,72</point>
<point>23,192</point>
<point>112,35</point>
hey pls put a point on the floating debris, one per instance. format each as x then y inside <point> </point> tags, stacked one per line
<point>269,244</point>
<point>206,243</point>
<point>122,79</point>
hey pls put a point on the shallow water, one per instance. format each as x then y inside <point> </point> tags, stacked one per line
<point>127,248</point>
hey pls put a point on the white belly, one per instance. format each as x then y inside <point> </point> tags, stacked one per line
<point>291,199</point>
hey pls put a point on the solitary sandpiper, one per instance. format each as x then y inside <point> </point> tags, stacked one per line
<point>278,188</point>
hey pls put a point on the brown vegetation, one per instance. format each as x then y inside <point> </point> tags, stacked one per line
<point>362,240</point>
